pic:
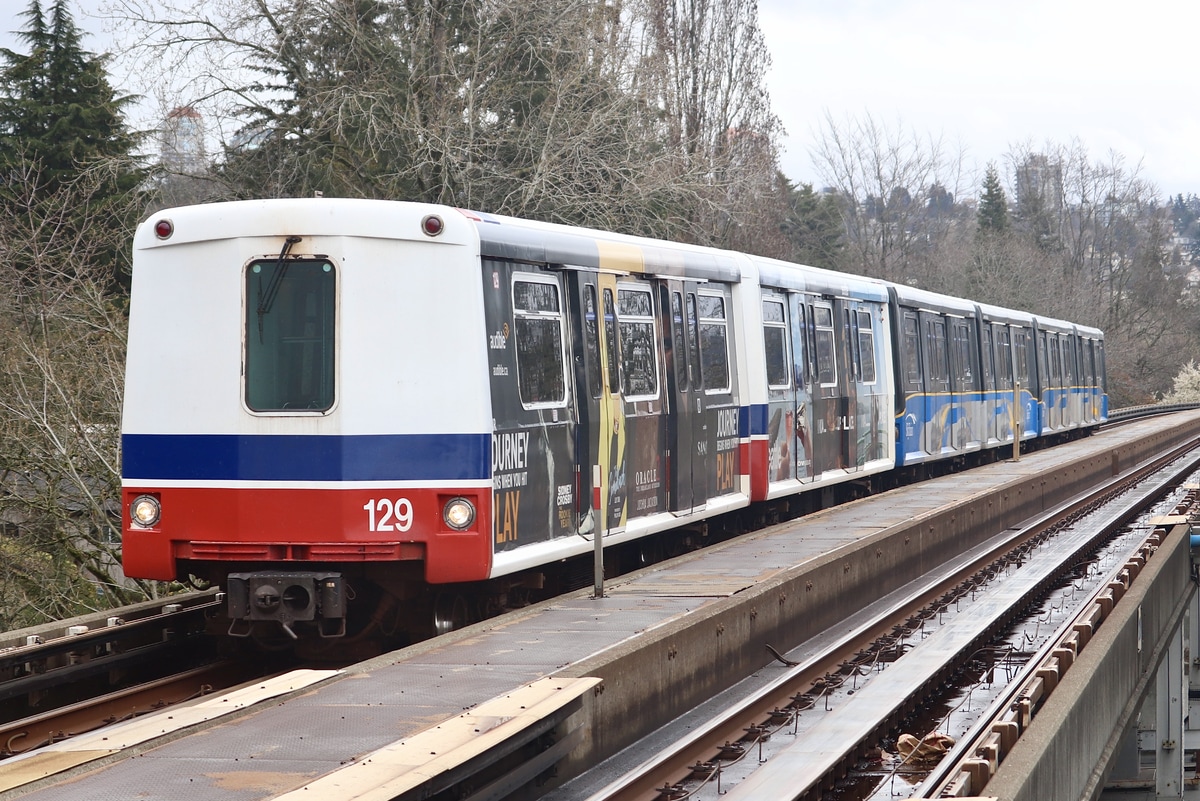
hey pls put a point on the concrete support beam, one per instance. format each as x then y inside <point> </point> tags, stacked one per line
<point>1069,749</point>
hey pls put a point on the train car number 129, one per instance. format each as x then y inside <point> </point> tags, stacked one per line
<point>392,516</point>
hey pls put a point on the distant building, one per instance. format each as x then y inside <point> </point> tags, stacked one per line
<point>1039,184</point>
<point>182,142</point>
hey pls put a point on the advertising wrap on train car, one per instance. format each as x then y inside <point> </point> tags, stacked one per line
<point>533,444</point>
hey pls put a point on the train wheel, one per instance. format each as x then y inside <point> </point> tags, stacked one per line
<point>450,612</point>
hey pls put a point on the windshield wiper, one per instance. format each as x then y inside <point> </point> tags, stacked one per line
<point>266,298</point>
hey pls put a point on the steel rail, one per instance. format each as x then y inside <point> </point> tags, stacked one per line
<point>967,767</point>
<point>699,752</point>
<point>20,736</point>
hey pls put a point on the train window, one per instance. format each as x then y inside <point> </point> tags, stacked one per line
<point>1052,352</point>
<point>826,355</point>
<point>538,322</point>
<point>801,345</point>
<point>1068,356</point>
<point>1021,352</point>
<point>1003,346</point>
<point>714,343</point>
<point>639,342</point>
<point>939,366</point>
<point>610,341</point>
<point>847,332</point>
<point>290,315</point>
<point>1089,362</point>
<point>591,336</point>
<point>775,339</point>
<point>866,347</point>
<point>985,353</point>
<point>693,341</point>
<point>1043,359</point>
<point>963,356</point>
<point>679,344</point>
<point>912,352</point>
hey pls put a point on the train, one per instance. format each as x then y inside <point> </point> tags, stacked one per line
<point>357,414</point>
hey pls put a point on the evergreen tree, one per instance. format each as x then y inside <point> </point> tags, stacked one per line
<point>61,120</point>
<point>57,108</point>
<point>814,228</point>
<point>993,205</point>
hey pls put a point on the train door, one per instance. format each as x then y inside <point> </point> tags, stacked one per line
<point>536,422</point>
<point>600,436</point>
<point>612,422</point>
<point>718,445</point>
<point>588,388</point>
<point>1024,362</point>
<point>1072,410</point>
<point>803,376</point>
<point>988,375</point>
<point>828,394</point>
<point>967,417</point>
<point>641,357</point>
<point>1002,343</point>
<point>1087,358</point>
<point>781,390</point>
<point>910,431</point>
<point>1040,363</point>
<point>848,386</point>
<point>871,401</point>
<point>686,434</point>
<point>1054,396</point>
<point>1025,359</point>
<point>937,381</point>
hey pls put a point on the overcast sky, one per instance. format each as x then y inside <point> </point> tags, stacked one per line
<point>989,76</point>
<point>1120,76</point>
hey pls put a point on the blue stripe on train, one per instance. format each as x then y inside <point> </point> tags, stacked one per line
<point>752,420</point>
<point>277,457</point>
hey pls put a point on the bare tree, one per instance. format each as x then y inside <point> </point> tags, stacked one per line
<point>889,180</point>
<point>61,366</point>
<point>511,107</point>
<point>1106,233</point>
<point>703,66</point>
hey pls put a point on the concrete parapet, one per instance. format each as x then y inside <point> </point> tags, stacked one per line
<point>1066,750</point>
<point>662,673</point>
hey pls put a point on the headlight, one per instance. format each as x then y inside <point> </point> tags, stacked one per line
<point>145,510</point>
<point>459,514</point>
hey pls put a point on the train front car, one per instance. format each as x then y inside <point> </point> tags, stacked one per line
<point>306,416</point>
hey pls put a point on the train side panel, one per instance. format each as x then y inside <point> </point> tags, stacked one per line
<point>617,372</point>
<point>828,378</point>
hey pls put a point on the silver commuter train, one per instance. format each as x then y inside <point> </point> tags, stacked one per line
<point>333,403</point>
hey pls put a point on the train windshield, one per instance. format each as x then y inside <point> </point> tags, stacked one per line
<point>290,307</point>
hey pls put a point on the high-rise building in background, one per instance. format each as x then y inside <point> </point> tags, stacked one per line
<point>1040,183</point>
<point>182,142</point>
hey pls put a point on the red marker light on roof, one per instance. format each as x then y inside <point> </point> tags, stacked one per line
<point>163,229</point>
<point>432,225</point>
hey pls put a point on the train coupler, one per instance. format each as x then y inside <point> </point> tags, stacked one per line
<point>287,598</point>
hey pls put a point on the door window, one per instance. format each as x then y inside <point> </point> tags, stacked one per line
<point>639,342</point>
<point>714,342</point>
<point>866,347</point>
<point>776,341</point>
<point>826,354</point>
<point>538,317</point>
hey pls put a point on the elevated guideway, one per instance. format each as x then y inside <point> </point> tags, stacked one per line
<point>605,672</point>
